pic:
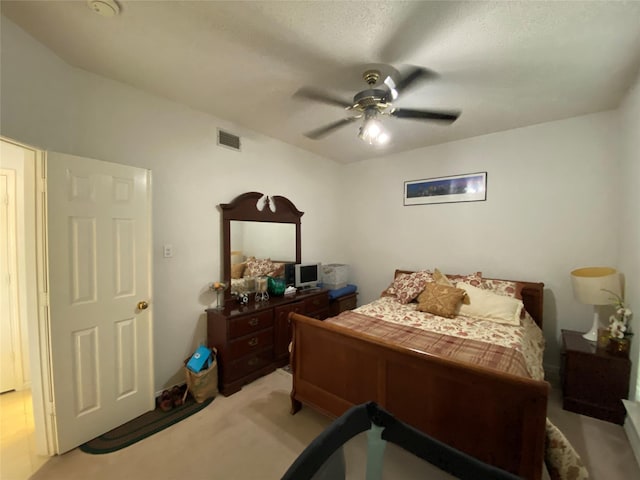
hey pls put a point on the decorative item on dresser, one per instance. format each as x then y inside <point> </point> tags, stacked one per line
<point>218,288</point>
<point>594,381</point>
<point>619,331</point>
<point>253,340</point>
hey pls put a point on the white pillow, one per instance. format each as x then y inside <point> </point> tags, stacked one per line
<point>490,306</point>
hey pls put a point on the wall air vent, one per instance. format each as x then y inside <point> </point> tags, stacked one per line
<point>229,140</point>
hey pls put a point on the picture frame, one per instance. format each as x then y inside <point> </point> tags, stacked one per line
<point>468,187</point>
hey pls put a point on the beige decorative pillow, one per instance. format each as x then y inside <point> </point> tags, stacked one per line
<point>441,300</point>
<point>441,279</point>
<point>237,270</point>
<point>490,306</point>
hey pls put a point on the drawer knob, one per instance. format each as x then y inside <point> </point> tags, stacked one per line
<point>253,342</point>
<point>252,361</point>
<point>253,322</point>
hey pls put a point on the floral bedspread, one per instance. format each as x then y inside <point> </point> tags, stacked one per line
<point>527,339</point>
<point>513,349</point>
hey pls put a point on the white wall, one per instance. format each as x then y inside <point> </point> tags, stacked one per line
<point>52,106</point>
<point>628,233</point>
<point>554,194</point>
<point>552,206</point>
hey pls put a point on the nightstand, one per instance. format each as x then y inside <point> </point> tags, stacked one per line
<point>342,304</point>
<point>594,382</point>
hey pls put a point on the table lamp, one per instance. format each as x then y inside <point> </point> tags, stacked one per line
<point>595,286</point>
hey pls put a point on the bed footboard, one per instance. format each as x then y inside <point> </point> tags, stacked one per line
<point>495,417</point>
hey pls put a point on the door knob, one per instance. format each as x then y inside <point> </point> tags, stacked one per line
<point>142,305</point>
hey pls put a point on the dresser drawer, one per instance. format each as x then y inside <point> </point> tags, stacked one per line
<point>250,343</point>
<point>247,324</point>
<point>316,302</point>
<point>246,365</point>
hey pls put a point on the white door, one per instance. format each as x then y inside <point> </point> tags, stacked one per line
<point>8,294</point>
<point>99,239</point>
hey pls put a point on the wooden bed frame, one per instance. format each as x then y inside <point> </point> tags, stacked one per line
<point>496,417</point>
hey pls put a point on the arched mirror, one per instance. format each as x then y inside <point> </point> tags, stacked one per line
<point>255,225</point>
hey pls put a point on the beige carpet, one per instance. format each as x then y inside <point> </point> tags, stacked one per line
<point>251,435</point>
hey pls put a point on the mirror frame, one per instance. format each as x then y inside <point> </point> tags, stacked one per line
<point>245,208</point>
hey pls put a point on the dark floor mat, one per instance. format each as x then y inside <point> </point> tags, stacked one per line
<point>142,427</point>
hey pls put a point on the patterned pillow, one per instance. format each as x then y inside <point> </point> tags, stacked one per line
<point>258,267</point>
<point>503,287</point>
<point>407,286</point>
<point>561,459</point>
<point>440,300</point>
<point>474,279</point>
<point>278,270</point>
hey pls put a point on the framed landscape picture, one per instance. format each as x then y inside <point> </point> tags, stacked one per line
<point>470,187</point>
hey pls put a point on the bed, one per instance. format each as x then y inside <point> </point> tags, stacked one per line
<point>494,411</point>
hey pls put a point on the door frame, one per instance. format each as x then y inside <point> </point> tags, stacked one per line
<point>12,201</point>
<point>37,296</point>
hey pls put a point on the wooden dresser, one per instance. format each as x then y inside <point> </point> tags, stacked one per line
<point>253,340</point>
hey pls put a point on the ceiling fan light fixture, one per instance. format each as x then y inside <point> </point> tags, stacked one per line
<point>372,131</point>
<point>373,102</point>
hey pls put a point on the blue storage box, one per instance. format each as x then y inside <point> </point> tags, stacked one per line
<point>200,360</point>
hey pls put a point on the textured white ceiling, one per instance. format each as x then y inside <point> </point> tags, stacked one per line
<point>503,64</point>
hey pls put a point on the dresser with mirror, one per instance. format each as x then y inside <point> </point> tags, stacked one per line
<point>252,339</point>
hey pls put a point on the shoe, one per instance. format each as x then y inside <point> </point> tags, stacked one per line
<point>165,402</point>
<point>178,395</point>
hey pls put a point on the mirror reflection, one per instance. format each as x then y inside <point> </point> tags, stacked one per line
<point>261,240</point>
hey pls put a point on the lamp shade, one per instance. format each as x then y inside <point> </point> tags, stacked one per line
<point>594,285</point>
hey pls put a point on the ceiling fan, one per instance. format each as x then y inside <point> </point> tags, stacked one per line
<point>373,103</point>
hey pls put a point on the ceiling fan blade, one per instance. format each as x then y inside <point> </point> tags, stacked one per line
<point>410,77</point>
<point>318,133</point>
<point>320,96</point>
<point>448,117</point>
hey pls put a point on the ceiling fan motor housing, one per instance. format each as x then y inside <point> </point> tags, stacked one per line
<point>370,98</point>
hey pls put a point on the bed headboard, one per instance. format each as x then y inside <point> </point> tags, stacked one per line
<point>532,296</point>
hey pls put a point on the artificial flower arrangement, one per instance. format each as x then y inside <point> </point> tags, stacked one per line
<point>217,286</point>
<point>619,321</point>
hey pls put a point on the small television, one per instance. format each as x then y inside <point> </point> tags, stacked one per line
<point>307,275</point>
